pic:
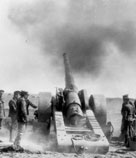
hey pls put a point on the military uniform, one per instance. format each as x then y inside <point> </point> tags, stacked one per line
<point>2,112</point>
<point>22,111</point>
<point>22,120</point>
<point>13,115</point>
<point>127,112</point>
<point>127,117</point>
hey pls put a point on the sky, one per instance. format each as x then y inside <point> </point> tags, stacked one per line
<point>98,35</point>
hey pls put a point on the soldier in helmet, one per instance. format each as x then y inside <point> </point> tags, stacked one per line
<point>127,112</point>
<point>2,110</point>
<point>13,112</point>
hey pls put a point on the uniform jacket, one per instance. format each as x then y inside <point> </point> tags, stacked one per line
<point>21,110</point>
<point>2,112</point>
<point>127,111</point>
<point>12,107</point>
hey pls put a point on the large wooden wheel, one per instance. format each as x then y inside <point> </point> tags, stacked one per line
<point>84,99</point>
<point>98,105</point>
<point>44,106</point>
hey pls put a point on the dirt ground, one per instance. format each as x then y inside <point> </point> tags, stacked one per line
<point>34,149</point>
<point>115,152</point>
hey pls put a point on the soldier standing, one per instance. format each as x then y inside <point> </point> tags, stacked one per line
<point>2,110</point>
<point>22,111</point>
<point>13,113</point>
<point>127,112</point>
<point>21,118</point>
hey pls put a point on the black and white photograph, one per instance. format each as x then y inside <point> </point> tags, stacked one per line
<point>67,78</point>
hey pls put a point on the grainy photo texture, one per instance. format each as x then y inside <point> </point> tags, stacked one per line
<point>67,78</point>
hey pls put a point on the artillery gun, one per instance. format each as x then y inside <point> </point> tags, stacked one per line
<point>76,119</point>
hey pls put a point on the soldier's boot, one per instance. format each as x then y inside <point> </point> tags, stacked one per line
<point>17,147</point>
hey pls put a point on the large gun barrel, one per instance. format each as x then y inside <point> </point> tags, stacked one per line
<point>72,116</point>
<point>72,102</point>
<point>69,80</point>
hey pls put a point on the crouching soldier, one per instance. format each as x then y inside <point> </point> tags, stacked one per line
<point>13,113</point>
<point>2,110</point>
<point>108,130</point>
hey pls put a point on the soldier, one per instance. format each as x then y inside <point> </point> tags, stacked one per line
<point>2,110</point>
<point>13,113</point>
<point>127,112</point>
<point>29,103</point>
<point>125,99</point>
<point>60,98</point>
<point>109,129</point>
<point>21,118</point>
<point>22,111</point>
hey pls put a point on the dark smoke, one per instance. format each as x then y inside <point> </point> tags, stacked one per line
<point>87,46</point>
<point>72,29</point>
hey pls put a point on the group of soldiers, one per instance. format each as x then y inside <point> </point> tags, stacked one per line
<point>128,126</point>
<point>18,112</point>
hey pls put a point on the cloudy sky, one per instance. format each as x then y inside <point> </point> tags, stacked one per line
<point>98,35</point>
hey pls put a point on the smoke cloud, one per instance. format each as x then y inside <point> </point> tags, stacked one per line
<point>99,36</point>
<point>73,27</point>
